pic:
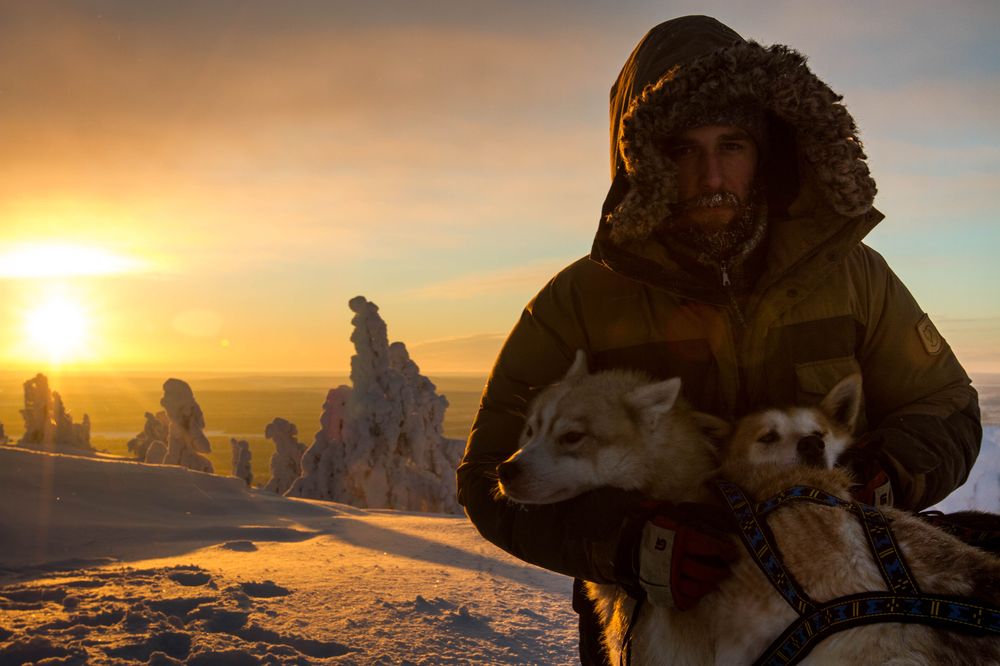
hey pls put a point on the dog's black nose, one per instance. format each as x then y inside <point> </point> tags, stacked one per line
<point>508,471</point>
<point>811,445</point>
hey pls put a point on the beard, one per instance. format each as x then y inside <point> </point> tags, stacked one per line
<point>715,200</point>
<point>722,238</point>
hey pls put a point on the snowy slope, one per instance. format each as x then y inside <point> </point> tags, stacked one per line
<point>194,566</point>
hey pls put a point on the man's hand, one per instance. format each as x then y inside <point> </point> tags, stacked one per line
<point>872,483</point>
<point>682,556</point>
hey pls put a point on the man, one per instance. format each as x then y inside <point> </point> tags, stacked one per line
<point>729,254</point>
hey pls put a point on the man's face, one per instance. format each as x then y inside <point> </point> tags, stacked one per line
<point>716,165</point>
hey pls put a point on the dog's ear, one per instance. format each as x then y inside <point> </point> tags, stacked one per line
<point>654,400</point>
<point>579,367</point>
<point>716,429</point>
<point>843,403</point>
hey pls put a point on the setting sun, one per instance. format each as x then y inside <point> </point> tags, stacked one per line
<point>56,329</point>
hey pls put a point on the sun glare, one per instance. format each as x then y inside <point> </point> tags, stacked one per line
<point>54,260</point>
<point>56,329</point>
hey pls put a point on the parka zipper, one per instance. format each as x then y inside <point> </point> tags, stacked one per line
<point>727,286</point>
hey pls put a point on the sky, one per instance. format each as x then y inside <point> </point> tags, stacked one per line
<point>204,186</point>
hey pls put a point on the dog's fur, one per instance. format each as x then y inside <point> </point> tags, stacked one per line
<point>826,550</point>
<point>618,429</point>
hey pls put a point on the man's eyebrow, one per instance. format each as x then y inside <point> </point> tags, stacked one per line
<point>736,135</point>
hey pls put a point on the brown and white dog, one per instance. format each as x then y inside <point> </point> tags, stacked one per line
<point>618,429</point>
<point>826,550</point>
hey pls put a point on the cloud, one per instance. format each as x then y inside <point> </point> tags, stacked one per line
<point>472,353</point>
<point>514,280</point>
<point>47,260</point>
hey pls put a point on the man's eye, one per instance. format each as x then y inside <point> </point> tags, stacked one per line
<point>678,151</point>
<point>769,437</point>
<point>571,438</point>
<point>734,146</point>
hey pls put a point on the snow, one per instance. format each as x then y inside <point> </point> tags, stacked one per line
<point>123,560</point>
<point>982,489</point>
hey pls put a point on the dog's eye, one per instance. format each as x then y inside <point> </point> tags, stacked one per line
<point>571,438</point>
<point>770,437</point>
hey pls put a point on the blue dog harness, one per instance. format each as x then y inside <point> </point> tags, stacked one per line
<point>902,603</point>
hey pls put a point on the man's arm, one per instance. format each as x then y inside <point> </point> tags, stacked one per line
<point>578,537</point>
<point>923,413</point>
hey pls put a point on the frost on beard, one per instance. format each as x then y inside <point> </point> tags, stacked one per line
<point>47,423</point>
<point>186,441</point>
<point>382,442</point>
<point>241,460</point>
<point>286,461</point>
<point>150,444</point>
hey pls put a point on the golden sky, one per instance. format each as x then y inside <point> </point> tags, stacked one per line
<point>206,185</point>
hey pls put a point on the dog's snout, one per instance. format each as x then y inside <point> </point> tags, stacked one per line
<point>811,445</point>
<point>508,471</point>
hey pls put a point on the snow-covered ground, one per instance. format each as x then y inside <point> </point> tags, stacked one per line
<point>982,489</point>
<point>122,562</point>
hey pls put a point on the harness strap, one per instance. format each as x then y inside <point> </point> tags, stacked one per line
<point>892,566</point>
<point>883,545</point>
<point>868,608</point>
<point>902,603</point>
<point>759,542</point>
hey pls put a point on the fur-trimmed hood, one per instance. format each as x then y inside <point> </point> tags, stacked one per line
<point>684,68</point>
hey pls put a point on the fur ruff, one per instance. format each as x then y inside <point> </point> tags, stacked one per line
<point>777,79</point>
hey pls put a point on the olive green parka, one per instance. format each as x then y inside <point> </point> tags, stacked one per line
<point>824,304</point>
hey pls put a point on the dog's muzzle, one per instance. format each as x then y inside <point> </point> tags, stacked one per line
<point>508,470</point>
<point>811,450</point>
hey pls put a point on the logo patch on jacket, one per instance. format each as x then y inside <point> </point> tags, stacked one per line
<point>929,336</point>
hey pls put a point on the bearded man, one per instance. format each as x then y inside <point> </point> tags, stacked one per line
<point>729,254</point>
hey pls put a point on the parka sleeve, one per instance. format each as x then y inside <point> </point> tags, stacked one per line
<point>922,408</point>
<point>578,537</point>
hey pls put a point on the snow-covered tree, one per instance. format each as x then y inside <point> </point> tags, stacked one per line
<point>382,442</point>
<point>186,441</point>
<point>154,430</point>
<point>47,422</point>
<point>242,468</point>
<point>286,461</point>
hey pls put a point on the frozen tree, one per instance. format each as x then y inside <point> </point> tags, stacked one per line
<point>241,460</point>
<point>47,423</point>
<point>382,442</point>
<point>38,425</point>
<point>286,461</point>
<point>154,430</point>
<point>156,453</point>
<point>186,441</point>
<point>322,463</point>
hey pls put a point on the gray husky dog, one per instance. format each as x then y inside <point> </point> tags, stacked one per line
<point>619,429</point>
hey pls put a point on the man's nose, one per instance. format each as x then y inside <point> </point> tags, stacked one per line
<point>711,172</point>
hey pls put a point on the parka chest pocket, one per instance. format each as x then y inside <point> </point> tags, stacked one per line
<point>814,379</point>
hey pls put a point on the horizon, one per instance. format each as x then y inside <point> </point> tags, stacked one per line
<point>206,186</point>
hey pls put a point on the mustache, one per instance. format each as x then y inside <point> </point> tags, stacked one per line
<point>714,200</point>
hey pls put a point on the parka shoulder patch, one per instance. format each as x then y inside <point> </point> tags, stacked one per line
<point>929,336</point>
